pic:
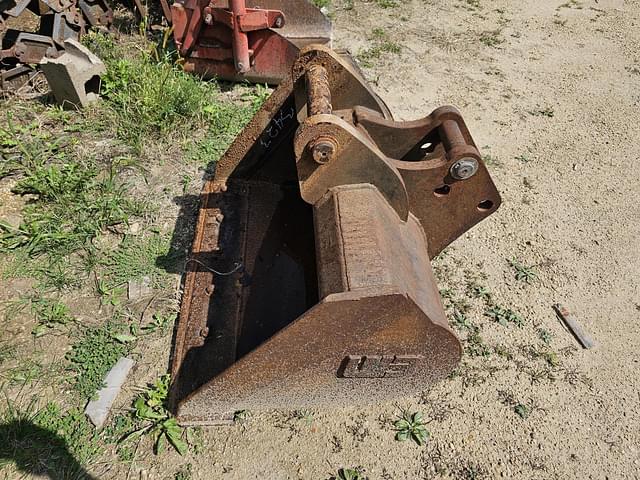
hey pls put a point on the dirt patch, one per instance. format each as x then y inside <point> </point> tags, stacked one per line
<point>551,95</point>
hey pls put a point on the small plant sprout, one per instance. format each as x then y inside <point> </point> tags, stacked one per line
<point>151,411</point>
<point>411,426</point>
<point>241,416</point>
<point>349,474</point>
<point>158,323</point>
<point>48,314</point>
<point>305,415</point>
<point>545,335</point>
<point>461,321</point>
<point>478,291</point>
<point>523,411</point>
<point>504,316</point>
<point>542,112</point>
<point>523,273</point>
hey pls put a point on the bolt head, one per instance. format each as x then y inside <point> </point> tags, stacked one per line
<point>464,168</point>
<point>323,151</point>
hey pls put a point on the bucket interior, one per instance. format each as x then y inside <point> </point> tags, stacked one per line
<point>265,267</point>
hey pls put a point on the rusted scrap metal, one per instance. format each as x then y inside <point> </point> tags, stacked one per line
<point>59,21</point>
<point>252,40</point>
<point>574,327</point>
<point>309,281</point>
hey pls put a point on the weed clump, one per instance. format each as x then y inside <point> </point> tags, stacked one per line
<point>411,426</point>
<point>152,417</point>
<point>93,356</point>
<point>148,95</point>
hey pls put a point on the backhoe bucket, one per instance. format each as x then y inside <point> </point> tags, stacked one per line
<point>309,282</point>
<point>252,40</point>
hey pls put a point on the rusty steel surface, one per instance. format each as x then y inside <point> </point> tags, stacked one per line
<point>59,20</point>
<point>245,40</point>
<point>423,152</point>
<point>309,281</point>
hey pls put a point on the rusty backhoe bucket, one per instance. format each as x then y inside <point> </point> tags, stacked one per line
<point>253,40</point>
<point>309,281</point>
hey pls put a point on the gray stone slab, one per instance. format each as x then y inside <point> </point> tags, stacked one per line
<point>98,410</point>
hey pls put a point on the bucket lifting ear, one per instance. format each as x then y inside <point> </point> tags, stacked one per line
<point>309,282</point>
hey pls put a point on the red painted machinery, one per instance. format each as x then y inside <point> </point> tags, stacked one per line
<point>251,40</point>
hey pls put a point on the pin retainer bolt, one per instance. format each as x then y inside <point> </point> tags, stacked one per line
<point>464,168</point>
<point>324,149</point>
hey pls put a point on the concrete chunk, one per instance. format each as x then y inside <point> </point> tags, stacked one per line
<point>74,77</point>
<point>98,410</point>
<point>140,288</point>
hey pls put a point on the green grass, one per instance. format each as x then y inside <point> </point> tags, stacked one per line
<point>224,122</point>
<point>76,206</point>
<point>159,323</point>
<point>49,314</point>
<point>148,97</point>
<point>134,258</point>
<point>380,45</point>
<point>48,440</point>
<point>71,202</point>
<point>146,94</point>
<point>7,351</point>
<point>93,355</point>
<point>25,373</point>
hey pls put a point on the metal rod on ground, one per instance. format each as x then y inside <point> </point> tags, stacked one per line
<point>572,324</point>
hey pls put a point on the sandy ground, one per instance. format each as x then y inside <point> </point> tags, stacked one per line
<point>555,104</point>
<point>551,93</point>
